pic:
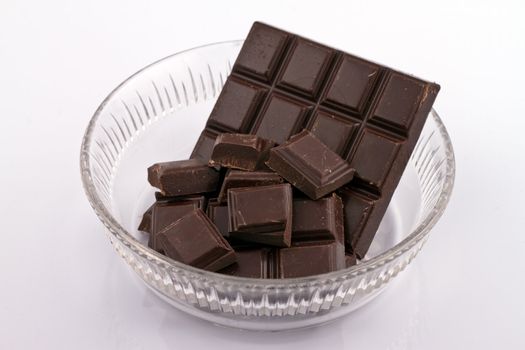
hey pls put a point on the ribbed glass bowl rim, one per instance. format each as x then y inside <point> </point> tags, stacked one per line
<point>363,268</point>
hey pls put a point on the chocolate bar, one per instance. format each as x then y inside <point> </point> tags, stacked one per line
<point>309,165</point>
<point>369,114</point>
<point>240,151</point>
<point>235,179</point>
<point>194,240</point>
<point>183,177</point>
<point>261,214</point>
<point>318,220</point>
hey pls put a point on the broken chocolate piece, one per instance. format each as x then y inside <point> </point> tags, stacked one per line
<point>163,214</point>
<point>350,260</point>
<point>297,261</point>
<point>183,177</point>
<point>218,214</point>
<point>145,223</point>
<point>309,165</point>
<point>251,263</point>
<point>359,208</point>
<point>240,151</point>
<point>310,259</point>
<point>201,199</point>
<point>194,240</point>
<point>319,220</point>
<point>236,178</point>
<point>261,214</point>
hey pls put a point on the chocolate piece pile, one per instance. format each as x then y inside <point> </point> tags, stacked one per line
<point>296,165</point>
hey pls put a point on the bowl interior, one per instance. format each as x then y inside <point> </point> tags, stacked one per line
<point>157,115</point>
<point>173,137</point>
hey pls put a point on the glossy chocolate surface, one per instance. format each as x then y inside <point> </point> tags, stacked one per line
<point>318,220</point>
<point>195,240</point>
<point>164,214</point>
<point>240,151</point>
<point>309,165</point>
<point>310,259</point>
<point>235,179</point>
<point>261,214</point>
<point>183,177</point>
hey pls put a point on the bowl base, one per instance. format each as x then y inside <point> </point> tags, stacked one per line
<point>268,324</point>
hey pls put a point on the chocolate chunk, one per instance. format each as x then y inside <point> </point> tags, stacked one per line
<point>318,220</point>
<point>309,165</point>
<point>369,114</point>
<point>362,217</point>
<point>250,263</point>
<point>218,214</point>
<point>183,177</point>
<point>297,261</point>
<point>239,244</point>
<point>201,199</point>
<point>236,178</point>
<point>350,260</point>
<point>261,214</point>
<point>145,223</point>
<point>310,259</point>
<point>164,214</point>
<point>194,240</point>
<point>240,151</point>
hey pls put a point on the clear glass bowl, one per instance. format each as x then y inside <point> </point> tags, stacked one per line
<point>157,115</point>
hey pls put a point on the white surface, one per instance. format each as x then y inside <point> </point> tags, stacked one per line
<point>62,285</point>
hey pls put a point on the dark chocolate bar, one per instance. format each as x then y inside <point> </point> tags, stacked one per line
<point>369,114</point>
<point>194,240</point>
<point>261,214</point>
<point>309,165</point>
<point>236,178</point>
<point>318,220</point>
<point>183,177</point>
<point>240,151</point>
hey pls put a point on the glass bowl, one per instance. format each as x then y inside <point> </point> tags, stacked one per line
<point>156,115</point>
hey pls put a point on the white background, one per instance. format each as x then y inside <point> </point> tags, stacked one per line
<point>63,287</point>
